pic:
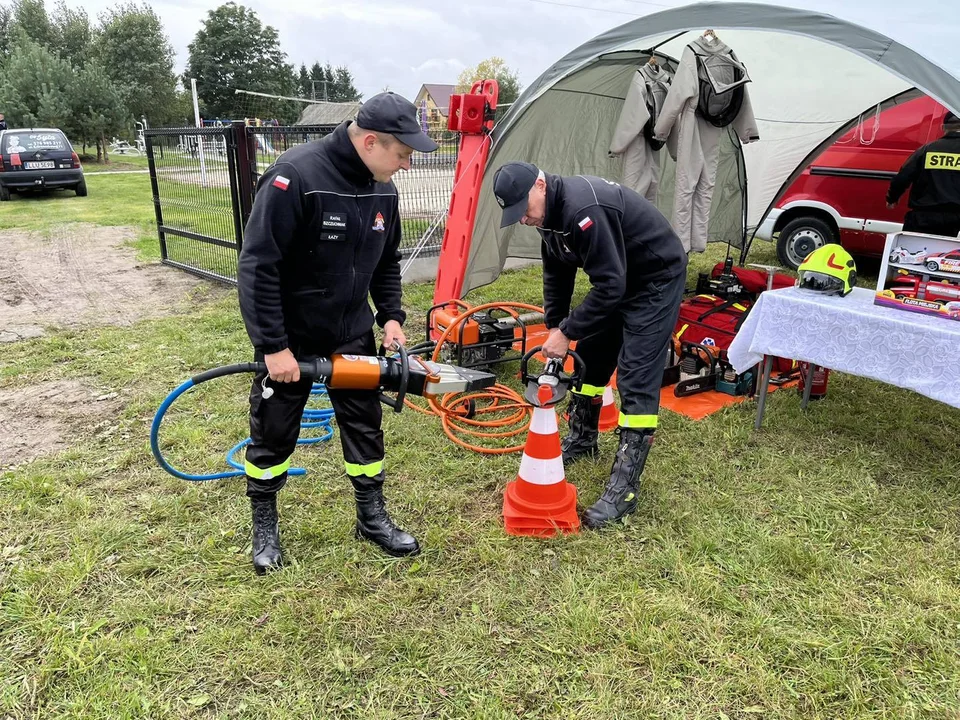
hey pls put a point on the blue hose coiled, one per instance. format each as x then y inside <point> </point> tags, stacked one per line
<point>313,419</point>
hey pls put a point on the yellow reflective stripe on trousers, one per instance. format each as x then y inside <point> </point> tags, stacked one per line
<point>267,474</point>
<point>371,470</point>
<point>637,422</point>
<point>589,391</point>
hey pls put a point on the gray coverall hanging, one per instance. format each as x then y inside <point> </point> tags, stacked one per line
<point>633,136</point>
<point>707,93</point>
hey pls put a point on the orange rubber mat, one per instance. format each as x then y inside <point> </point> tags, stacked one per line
<point>699,406</point>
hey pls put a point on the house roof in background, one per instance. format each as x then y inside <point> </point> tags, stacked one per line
<point>328,113</point>
<point>440,94</point>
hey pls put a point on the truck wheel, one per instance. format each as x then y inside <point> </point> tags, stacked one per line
<point>4,193</point>
<point>81,188</point>
<point>800,237</point>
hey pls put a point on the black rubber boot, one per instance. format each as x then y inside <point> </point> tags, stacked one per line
<point>620,496</point>
<point>581,440</point>
<point>266,535</point>
<point>373,522</point>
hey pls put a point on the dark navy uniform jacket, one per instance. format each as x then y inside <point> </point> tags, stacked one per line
<point>620,239</point>
<point>934,173</point>
<point>322,236</point>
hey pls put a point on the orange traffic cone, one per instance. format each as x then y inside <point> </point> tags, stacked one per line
<point>609,414</point>
<point>540,501</point>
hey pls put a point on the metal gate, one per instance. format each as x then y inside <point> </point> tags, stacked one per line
<point>204,180</point>
<point>197,198</point>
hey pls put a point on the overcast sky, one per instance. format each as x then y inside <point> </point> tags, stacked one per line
<point>405,43</point>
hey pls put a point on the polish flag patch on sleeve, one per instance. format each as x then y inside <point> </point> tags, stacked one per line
<point>281,182</point>
<point>586,223</point>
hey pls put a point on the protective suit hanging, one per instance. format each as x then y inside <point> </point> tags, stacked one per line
<point>633,136</point>
<point>707,94</point>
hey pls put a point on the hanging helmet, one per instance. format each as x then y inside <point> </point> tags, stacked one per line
<point>828,269</point>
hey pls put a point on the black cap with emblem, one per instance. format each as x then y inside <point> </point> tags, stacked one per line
<point>394,114</point>
<point>511,186</point>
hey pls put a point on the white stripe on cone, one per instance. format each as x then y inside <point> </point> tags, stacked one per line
<point>541,472</point>
<point>607,396</point>
<point>544,421</point>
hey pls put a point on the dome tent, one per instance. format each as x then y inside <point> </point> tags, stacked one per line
<point>814,76</point>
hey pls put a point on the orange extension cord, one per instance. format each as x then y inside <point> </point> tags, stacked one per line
<point>512,411</point>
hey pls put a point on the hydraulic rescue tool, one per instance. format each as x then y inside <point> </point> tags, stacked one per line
<point>551,376</point>
<point>403,374</point>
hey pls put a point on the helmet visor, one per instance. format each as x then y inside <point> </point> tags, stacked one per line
<point>821,282</point>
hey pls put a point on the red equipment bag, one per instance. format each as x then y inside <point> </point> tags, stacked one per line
<point>755,281</point>
<point>710,320</point>
<point>713,322</point>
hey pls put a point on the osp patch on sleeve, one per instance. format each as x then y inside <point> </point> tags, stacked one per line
<point>281,182</point>
<point>586,223</point>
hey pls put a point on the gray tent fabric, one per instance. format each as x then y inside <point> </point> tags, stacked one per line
<point>812,74</point>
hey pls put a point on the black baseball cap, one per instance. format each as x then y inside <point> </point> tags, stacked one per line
<point>394,114</point>
<point>511,185</point>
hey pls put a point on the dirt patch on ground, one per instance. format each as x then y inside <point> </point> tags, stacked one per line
<point>38,420</point>
<point>81,275</point>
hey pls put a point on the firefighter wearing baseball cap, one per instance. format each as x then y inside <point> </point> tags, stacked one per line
<point>829,269</point>
<point>933,175</point>
<point>323,236</point>
<point>637,270</point>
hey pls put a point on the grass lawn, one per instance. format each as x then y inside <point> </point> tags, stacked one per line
<point>809,570</point>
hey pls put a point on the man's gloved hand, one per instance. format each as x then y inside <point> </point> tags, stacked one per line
<point>393,335</point>
<point>282,366</point>
<point>556,345</point>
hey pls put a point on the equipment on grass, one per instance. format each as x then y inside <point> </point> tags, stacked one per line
<point>726,284</point>
<point>478,337</point>
<point>487,336</point>
<point>736,384</point>
<point>820,379</point>
<point>704,368</point>
<point>404,374</point>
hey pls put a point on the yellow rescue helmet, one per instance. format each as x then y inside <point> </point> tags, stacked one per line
<point>828,269</point>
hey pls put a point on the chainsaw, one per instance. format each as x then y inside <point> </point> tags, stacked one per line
<point>704,368</point>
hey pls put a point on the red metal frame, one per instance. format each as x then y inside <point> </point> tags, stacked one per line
<point>471,114</point>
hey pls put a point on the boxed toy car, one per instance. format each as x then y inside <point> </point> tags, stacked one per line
<point>921,273</point>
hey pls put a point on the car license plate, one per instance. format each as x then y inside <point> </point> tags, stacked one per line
<point>41,165</point>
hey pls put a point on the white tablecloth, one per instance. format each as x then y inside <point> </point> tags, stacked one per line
<point>852,335</point>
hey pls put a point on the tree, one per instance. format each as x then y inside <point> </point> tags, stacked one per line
<point>71,33</point>
<point>320,82</point>
<point>234,51</point>
<point>133,49</point>
<point>38,87</point>
<point>6,27</point>
<point>303,81</point>
<point>492,68</point>
<point>343,89</point>
<point>180,112</point>
<point>30,16</point>
<point>98,109</point>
